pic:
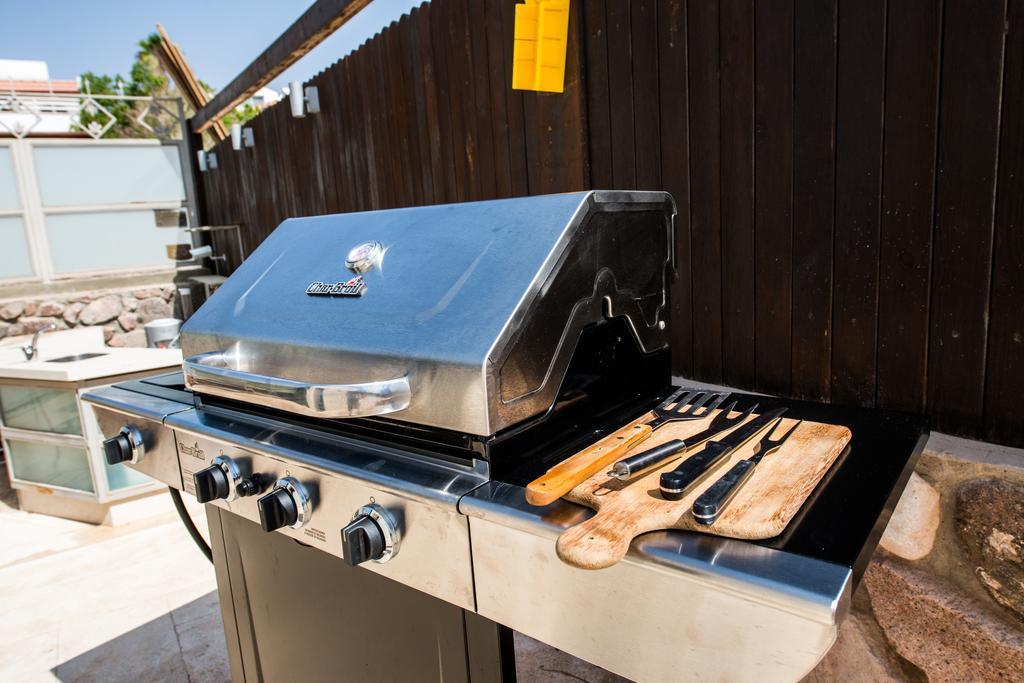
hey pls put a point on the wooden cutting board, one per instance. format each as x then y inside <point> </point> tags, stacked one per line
<point>761,509</point>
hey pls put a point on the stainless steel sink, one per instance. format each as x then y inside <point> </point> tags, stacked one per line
<point>77,356</point>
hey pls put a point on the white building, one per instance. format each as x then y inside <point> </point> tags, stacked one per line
<point>30,101</point>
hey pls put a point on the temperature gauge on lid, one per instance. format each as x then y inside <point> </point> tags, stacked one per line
<point>364,257</point>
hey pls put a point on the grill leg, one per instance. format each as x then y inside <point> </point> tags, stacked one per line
<point>490,650</point>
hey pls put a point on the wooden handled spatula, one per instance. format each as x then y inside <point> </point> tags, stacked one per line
<point>684,404</point>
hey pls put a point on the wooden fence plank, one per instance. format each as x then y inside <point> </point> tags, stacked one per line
<point>421,171</point>
<point>773,192</point>
<point>620,94</point>
<point>911,109</point>
<point>814,93</point>
<point>485,158</point>
<point>461,100</point>
<point>598,93</point>
<point>1005,359</point>
<point>431,98</point>
<point>859,116</point>
<point>705,190</point>
<point>498,91</point>
<point>646,131</point>
<point>736,33</point>
<point>675,168</point>
<point>961,264</point>
<point>516,109</point>
<point>449,137</point>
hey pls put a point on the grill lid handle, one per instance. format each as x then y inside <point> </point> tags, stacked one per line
<point>213,373</point>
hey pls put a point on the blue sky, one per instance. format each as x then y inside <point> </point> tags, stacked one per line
<point>219,37</point>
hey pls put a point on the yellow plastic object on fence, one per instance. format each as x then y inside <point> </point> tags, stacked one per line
<point>538,53</point>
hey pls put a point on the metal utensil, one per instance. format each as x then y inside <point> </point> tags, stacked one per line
<point>694,470</point>
<point>709,505</point>
<point>628,467</point>
<point>684,404</point>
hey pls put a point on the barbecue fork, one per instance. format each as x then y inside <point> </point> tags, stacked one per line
<point>709,505</point>
<point>684,404</point>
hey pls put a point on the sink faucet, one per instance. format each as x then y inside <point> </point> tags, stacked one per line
<point>32,350</point>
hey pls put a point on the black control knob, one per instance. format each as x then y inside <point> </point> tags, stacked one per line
<point>362,540</point>
<point>249,486</point>
<point>277,510</point>
<point>117,449</point>
<point>126,446</point>
<point>211,484</point>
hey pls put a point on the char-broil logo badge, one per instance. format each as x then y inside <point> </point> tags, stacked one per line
<point>194,450</point>
<point>354,287</point>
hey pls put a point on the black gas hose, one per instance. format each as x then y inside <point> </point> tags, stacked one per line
<point>179,505</point>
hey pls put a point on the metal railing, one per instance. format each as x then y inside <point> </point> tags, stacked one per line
<point>22,112</point>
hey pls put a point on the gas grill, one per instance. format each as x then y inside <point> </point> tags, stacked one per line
<point>363,401</point>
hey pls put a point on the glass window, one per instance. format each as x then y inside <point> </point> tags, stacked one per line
<point>14,256</point>
<point>8,187</point>
<point>50,464</point>
<point>115,240</point>
<point>121,477</point>
<point>108,174</point>
<point>42,410</point>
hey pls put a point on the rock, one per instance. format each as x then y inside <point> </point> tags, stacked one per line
<point>148,293</point>
<point>947,635</point>
<point>31,325</point>
<point>101,310</point>
<point>30,308</point>
<point>168,293</point>
<point>4,329</point>
<point>50,308</point>
<point>911,530</point>
<point>12,310</point>
<point>135,338</point>
<point>152,309</point>
<point>990,521</point>
<point>109,332</point>
<point>128,321</point>
<point>72,311</point>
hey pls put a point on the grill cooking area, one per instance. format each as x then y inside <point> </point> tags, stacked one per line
<point>420,429</point>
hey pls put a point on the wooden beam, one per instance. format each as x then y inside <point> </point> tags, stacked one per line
<point>322,19</point>
<point>174,62</point>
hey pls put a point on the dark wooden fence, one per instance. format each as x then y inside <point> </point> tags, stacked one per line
<point>849,175</point>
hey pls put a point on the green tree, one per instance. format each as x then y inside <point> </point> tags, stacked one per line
<point>242,114</point>
<point>146,78</point>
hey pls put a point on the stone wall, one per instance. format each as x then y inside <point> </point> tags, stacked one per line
<point>943,598</point>
<point>121,313</point>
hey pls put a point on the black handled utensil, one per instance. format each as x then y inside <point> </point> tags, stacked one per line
<point>628,467</point>
<point>695,469</point>
<point>709,505</point>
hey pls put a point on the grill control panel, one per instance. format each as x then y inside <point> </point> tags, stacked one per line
<point>338,513</point>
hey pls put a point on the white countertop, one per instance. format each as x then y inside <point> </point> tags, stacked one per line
<point>114,361</point>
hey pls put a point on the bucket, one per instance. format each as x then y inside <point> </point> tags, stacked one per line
<point>162,333</point>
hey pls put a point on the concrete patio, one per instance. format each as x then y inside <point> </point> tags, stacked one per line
<point>93,603</point>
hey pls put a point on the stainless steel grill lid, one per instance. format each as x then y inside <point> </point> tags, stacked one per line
<point>461,316</point>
